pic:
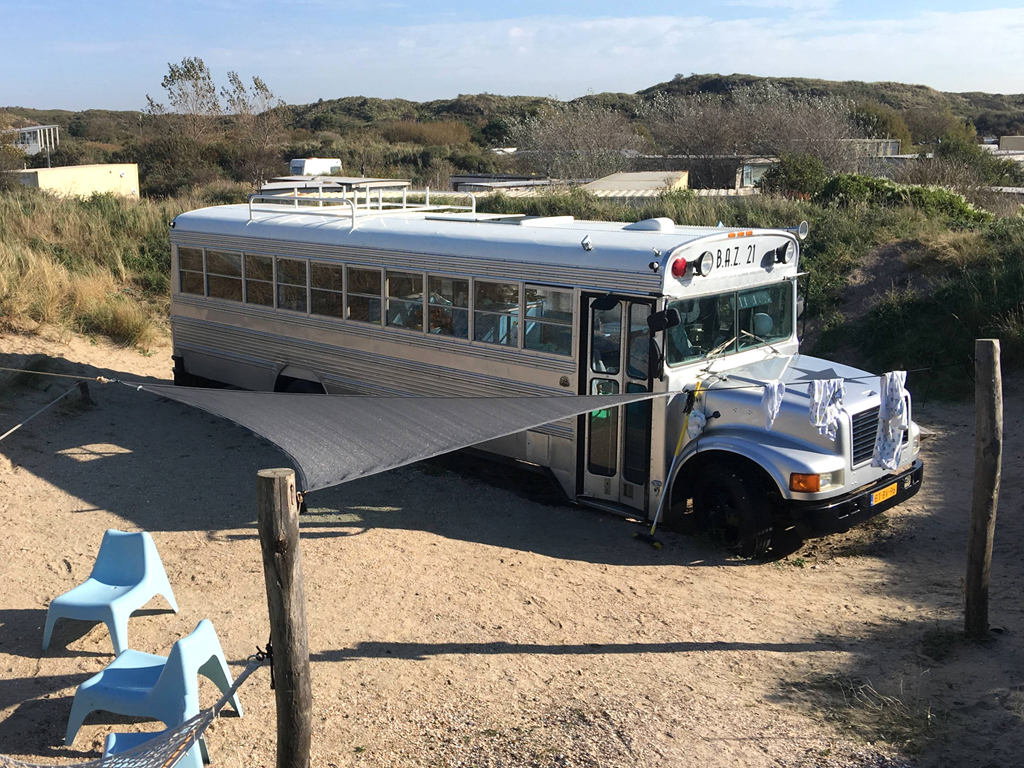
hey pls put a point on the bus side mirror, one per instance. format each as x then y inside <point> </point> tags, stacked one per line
<point>656,358</point>
<point>667,318</point>
<point>800,306</point>
<point>604,303</point>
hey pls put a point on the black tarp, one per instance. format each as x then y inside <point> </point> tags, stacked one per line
<point>336,438</point>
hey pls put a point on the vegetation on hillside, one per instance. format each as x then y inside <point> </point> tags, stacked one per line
<point>950,249</point>
<point>99,265</point>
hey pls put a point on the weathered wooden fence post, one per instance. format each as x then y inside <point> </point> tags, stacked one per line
<point>988,450</point>
<point>278,523</point>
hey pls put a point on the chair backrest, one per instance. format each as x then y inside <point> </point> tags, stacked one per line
<point>180,676</point>
<point>763,324</point>
<point>122,558</point>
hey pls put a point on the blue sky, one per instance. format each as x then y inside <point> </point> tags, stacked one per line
<point>76,55</point>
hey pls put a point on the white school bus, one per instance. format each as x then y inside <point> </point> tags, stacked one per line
<point>364,297</point>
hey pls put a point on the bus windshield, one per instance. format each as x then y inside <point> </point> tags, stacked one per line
<point>730,322</point>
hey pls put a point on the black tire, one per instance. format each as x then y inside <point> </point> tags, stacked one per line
<point>736,508</point>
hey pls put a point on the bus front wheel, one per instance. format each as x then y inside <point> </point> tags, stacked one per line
<point>732,506</point>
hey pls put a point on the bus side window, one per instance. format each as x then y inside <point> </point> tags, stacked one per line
<point>291,284</point>
<point>224,275</point>
<point>405,300</point>
<point>549,314</point>
<point>327,297</point>
<point>364,295</point>
<point>449,306</point>
<point>259,280</point>
<point>190,271</point>
<point>496,313</point>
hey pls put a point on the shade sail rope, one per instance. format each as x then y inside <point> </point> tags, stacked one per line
<point>334,439</point>
<point>165,750</point>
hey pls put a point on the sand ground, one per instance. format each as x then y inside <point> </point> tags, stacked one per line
<point>460,616</point>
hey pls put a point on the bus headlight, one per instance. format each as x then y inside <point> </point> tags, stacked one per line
<point>826,481</point>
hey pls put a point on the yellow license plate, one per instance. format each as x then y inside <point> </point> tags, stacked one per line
<point>886,493</point>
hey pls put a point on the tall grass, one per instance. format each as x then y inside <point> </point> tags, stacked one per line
<point>97,265</point>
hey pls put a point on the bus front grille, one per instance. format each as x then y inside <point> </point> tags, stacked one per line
<point>865,426</point>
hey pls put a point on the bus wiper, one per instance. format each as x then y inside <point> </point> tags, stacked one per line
<point>763,341</point>
<point>714,353</point>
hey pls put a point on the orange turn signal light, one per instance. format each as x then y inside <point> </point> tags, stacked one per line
<point>804,483</point>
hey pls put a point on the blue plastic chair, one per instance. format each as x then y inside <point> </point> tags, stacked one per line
<point>127,574</point>
<point>163,688</point>
<point>122,742</point>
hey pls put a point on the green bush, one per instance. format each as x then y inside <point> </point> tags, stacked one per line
<point>847,190</point>
<point>795,174</point>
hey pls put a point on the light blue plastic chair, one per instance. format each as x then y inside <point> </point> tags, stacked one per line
<point>122,742</point>
<point>127,574</point>
<point>163,688</point>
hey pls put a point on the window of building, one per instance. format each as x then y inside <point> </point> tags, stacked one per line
<point>449,306</point>
<point>190,271</point>
<point>405,300</point>
<point>548,320</point>
<point>259,280</point>
<point>496,313</point>
<point>327,296</point>
<point>224,275</point>
<point>291,284</point>
<point>364,295</point>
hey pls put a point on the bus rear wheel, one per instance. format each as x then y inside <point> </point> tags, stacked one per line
<point>732,506</point>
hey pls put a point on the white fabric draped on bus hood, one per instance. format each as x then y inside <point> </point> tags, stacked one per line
<point>336,438</point>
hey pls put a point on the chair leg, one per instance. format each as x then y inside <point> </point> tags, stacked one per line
<point>117,625</point>
<point>80,709</point>
<point>51,619</point>
<point>216,669</point>
<point>168,595</point>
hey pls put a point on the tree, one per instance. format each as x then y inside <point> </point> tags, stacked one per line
<point>877,121</point>
<point>192,94</point>
<point>575,141</point>
<point>927,126</point>
<point>802,175</point>
<point>257,125</point>
<point>761,119</point>
<point>703,127</point>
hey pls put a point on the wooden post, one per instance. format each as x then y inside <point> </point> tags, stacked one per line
<point>83,388</point>
<point>988,449</point>
<point>278,523</point>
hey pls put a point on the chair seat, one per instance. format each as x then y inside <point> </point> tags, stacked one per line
<point>92,595</point>
<point>131,675</point>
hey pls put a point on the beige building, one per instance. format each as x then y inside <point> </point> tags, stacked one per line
<point>84,180</point>
<point>642,184</point>
<point>1011,143</point>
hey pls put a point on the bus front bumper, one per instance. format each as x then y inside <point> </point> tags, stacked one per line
<point>843,512</point>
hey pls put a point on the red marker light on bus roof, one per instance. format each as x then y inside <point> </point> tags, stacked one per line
<point>679,267</point>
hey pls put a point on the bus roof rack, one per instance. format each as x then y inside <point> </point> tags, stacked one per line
<point>348,196</point>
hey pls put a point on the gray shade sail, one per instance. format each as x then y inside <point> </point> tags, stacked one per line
<point>336,438</point>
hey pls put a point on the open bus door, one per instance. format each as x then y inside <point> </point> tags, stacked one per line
<point>615,454</point>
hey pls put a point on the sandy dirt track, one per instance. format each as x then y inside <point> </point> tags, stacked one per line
<point>460,617</point>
